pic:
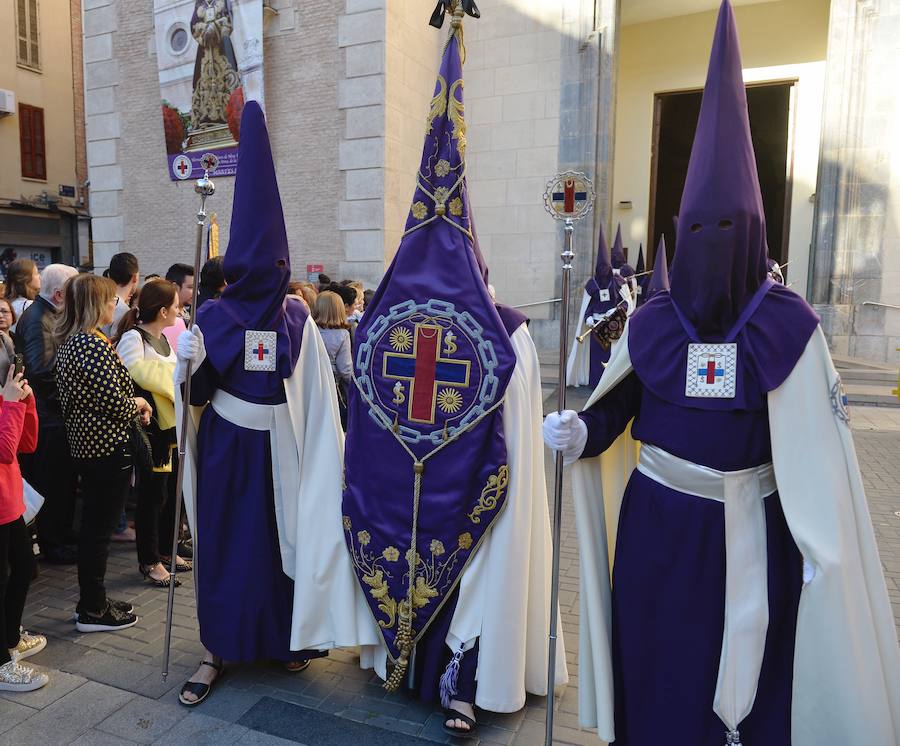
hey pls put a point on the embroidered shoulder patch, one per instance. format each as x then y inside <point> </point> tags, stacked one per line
<point>259,350</point>
<point>604,295</point>
<point>711,371</point>
<point>839,401</point>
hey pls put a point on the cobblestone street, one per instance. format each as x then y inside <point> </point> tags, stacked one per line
<point>107,688</point>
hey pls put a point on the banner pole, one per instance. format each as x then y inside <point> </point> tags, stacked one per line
<point>205,188</point>
<point>569,197</point>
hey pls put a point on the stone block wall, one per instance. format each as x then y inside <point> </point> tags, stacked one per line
<point>512,109</point>
<point>855,258</point>
<point>135,206</point>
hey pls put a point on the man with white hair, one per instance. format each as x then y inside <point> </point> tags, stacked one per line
<point>49,470</point>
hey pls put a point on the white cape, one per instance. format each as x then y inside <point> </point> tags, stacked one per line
<point>504,596</point>
<point>578,366</point>
<point>329,610</point>
<point>846,684</point>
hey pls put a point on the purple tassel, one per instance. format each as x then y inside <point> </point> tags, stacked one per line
<point>450,678</point>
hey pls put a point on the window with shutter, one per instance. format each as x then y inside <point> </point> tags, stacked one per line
<point>31,142</point>
<point>28,34</point>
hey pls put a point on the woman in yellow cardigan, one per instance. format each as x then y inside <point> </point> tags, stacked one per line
<point>150,360</point>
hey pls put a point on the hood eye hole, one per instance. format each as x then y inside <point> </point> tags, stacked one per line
<point>280,262</point>
<point>696,227</point>
<point>726,224</point>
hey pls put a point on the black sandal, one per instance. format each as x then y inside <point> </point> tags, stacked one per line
<point>145,571</point>
<point>198,689</point>
<point>459,732</point>
<point>300,666</point>
<point>182,566</point>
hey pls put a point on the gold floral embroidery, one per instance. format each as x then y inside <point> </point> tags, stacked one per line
<point>437,547</point>
<point>373,574</point>
<point>419,210</point>
<point>440,195</point>
<point>449,401</point>
<point>456,207</point>
<point>491,494</point>
<point>438,104</point>
<point>401,339</point>
<point>391,554</point>
<point>442,167</point>
<point>457,116</point>
<point>465,540</point>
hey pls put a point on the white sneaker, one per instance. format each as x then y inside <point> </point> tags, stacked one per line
<point>14,677</point>
<point>29,645</point>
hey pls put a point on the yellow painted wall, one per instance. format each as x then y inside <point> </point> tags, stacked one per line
<point>779,40</point>
<point>51,89</point>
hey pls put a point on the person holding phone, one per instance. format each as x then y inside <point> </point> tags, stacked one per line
<point>18,434</point>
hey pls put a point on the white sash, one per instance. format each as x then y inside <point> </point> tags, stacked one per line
<point>746,582</point>
<point>276,420</point>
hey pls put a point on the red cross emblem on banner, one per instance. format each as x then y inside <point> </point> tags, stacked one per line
<point>182,167</point>
<point>425,369</point>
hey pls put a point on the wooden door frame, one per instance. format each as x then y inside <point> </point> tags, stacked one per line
<point>789,175</point>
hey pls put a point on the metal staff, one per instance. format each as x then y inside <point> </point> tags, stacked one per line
<point>205,188</point>
<point>569,197</point>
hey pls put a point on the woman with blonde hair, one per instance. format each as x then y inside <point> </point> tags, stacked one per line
<point>99,410</point>
<point>23,283</point>
<point>330,316</point>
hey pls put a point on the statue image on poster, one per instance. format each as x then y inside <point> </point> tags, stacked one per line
<point>216,75</point>
<point>210,60</point>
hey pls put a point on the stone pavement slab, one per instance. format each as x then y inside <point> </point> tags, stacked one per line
<point>60,685</point>
<point>200,730</point>
<point>143,720</point>
<point>13,713</point>
<point>69,717</point>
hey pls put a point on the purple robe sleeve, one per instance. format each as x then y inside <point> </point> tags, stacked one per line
<point>607,419</point>
<point>204,382</point>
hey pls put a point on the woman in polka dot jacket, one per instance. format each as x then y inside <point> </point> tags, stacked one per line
<point>99,407</point>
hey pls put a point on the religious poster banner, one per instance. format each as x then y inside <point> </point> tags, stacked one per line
<point>210,60</point>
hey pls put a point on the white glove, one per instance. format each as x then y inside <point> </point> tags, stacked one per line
<point>190,348</point>
<point>566,433</point>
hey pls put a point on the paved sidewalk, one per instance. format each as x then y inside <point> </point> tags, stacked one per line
<point>107,688</point>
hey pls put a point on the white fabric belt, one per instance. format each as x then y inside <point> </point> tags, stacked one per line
<point>276,420</point>
<point>746,581</point>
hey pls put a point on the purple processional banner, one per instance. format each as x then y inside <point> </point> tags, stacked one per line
<point>210,60</point>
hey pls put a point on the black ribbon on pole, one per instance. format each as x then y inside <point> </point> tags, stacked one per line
<point>443,6</point>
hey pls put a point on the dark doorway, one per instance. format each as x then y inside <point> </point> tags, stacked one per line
<point>675,119</point>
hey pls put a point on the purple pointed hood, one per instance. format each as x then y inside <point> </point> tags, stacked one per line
<point>257,263</point>
<point>618,252</point>
<point>602,268</point>
<point>659,280</point>
<point>721,237</point>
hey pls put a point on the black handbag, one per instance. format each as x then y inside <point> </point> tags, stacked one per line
<point>140,445</point>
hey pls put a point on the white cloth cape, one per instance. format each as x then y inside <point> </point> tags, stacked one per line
<point>329,610</point>
<point>846,684</point>
<point>504,595</point>
<point>578,366</point>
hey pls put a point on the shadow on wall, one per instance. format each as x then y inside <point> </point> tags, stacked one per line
<point>852,251</point>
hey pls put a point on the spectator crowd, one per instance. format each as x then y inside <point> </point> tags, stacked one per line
<point>87,428</point>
